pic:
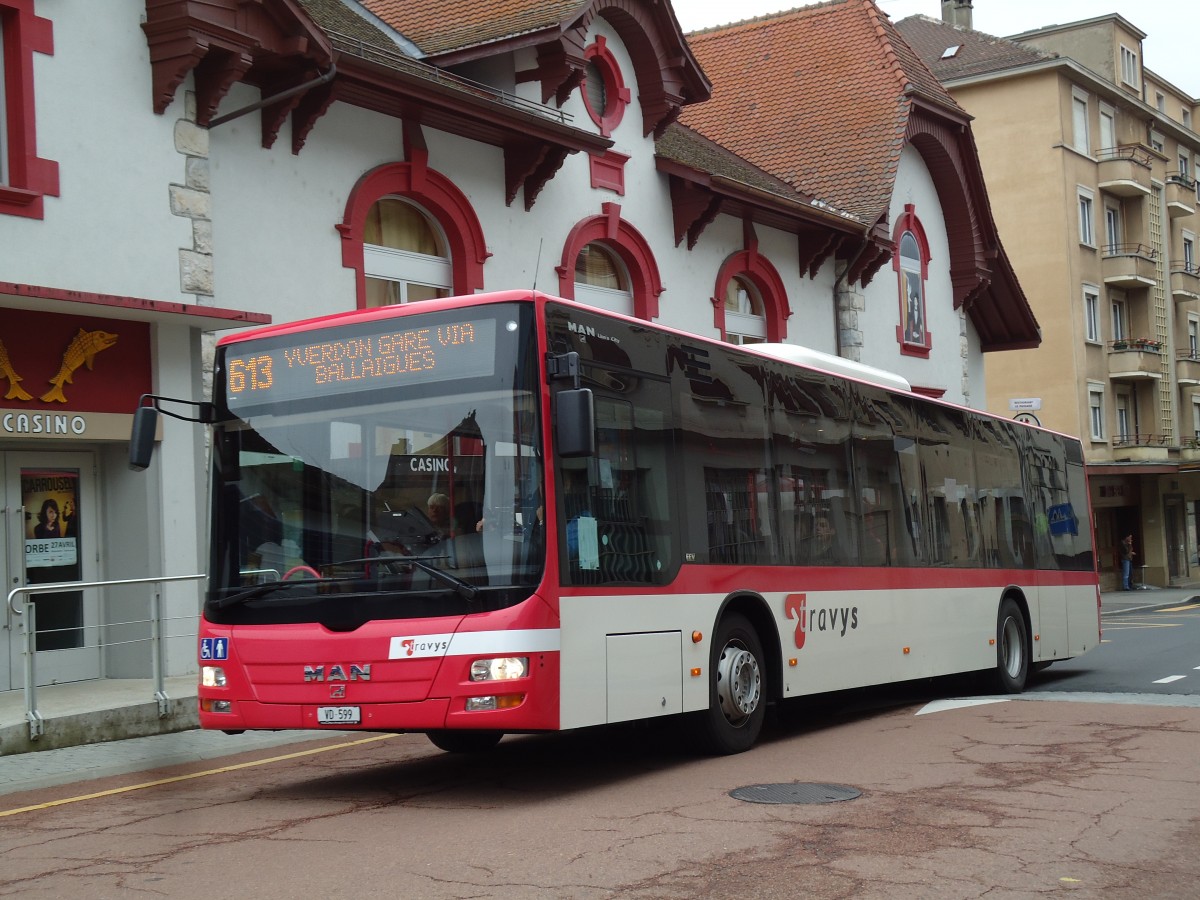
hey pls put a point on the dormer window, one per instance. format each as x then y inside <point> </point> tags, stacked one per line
<point>1129,66</point>
<point>604,91</point>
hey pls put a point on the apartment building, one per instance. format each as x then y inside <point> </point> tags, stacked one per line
<point>1090,160</point>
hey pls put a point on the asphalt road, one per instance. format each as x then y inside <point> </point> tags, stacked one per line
<point>1150,651</point>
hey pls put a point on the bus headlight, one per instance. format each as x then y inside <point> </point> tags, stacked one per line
<point>212,676</point>
<point>503,701</point>
<point>503,668</point>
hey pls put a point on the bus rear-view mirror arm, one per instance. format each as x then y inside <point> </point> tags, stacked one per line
<point>145,425</point>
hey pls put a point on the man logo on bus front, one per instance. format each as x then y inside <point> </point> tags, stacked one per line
<point>795,606</point>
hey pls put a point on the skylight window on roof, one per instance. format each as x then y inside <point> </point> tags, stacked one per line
<point>951,52</point>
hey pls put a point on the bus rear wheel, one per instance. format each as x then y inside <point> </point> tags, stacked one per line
<point>464,741</point>
<point>737,702</point>
<point>1012,648</point>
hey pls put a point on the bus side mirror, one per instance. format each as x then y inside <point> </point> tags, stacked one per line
<point>141,437</point>
<point>575,423</point>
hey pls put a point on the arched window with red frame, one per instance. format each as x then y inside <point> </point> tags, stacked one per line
<point>750,301</point>
<point>911,264</point>
<point>616,249</point>
<point>395,198</point>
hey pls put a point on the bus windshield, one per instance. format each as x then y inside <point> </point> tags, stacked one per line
<point>398,477</point>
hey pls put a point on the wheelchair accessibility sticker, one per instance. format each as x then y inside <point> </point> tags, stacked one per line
<point>214,648</point>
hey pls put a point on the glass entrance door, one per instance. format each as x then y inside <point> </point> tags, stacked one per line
<point>49,531</point>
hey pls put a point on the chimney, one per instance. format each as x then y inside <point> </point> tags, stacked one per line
<point>957,12</point>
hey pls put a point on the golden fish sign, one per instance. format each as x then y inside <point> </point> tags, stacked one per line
<point>15,391</point>
<point>83,349</point>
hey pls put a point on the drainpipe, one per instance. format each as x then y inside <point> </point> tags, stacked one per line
<point>275,98</point>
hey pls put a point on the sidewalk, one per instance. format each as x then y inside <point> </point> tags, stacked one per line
<point>92,712</point>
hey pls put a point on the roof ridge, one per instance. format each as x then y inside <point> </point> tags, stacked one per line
<point>874,13</point>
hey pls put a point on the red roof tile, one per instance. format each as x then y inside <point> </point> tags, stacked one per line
<point>818,96</point>
<point>439,26</point>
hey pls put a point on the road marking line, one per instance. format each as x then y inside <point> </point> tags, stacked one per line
<point>1189,608</point>
<point>1169,679</point>
<point>207,772</point>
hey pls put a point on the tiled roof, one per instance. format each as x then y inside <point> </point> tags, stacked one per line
<point>683,145</point>
<point>818,96</point>
<point>977,53</point>
<point>440,26</point>
<point>334,15</point>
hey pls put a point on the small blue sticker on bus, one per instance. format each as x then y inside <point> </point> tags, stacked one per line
<point>214,648</point>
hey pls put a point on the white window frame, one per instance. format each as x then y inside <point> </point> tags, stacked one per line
<point>1157,142</point>
<point>1189,251</point>
<point>1096,410</point>
<point>1091,313</point>
<point>1080,133</point>
<point>1124,416</point>
<point>1112,227</point>
<point>1129,66</point>
<point>1120,319</point>
<point>1108,127</point>
<point>1193,336</point>
<point>405,267</point>
<point>609,299</point>
<point>1087,225</point>
<point>1184,166</point>
<point>1160,101</point>
<point>1196,418</point>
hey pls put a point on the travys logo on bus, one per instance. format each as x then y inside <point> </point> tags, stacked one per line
<point>419,646</point>
<point>835,620</point>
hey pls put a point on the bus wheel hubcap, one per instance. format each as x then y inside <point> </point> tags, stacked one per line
<point>739,683</point>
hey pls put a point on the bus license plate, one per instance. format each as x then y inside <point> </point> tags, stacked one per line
<point>339,715</point>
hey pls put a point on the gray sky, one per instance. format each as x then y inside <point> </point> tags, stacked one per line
<point>1171,26</point>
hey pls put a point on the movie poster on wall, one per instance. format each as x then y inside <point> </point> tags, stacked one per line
<point>51,501</point>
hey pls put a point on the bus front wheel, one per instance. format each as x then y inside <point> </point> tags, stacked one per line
<point>1012,648</point>
<point>464,741</point>
<point>737,702</point>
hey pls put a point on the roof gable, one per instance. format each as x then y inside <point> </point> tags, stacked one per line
<point>819,96</point>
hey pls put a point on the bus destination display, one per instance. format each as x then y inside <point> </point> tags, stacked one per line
<point>334,363</point>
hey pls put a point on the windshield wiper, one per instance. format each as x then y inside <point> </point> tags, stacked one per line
<point>464,589</point>
<point>259,590</point>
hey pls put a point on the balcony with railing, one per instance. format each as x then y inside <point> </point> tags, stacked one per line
<point>1142,447</point>
<point>1135,359</point>
<point>1187,367</point>
<point>1129,265</point>
<point>1189,448</point>
<point>1185,281</point>
<point>1181,195</point>
<point>1124,171</point>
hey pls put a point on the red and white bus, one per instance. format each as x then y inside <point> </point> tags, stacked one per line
<point>513,513</point>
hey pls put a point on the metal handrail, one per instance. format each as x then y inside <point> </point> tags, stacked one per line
<point>27,616</point>
<point>1117,250</point>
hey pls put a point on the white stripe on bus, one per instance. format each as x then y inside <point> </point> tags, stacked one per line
<point>475,643</point>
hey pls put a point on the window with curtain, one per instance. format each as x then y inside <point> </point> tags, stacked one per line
<point>745,317</point>
<point>914,289</point>
<point>405,257</point>
<point>601,279</point>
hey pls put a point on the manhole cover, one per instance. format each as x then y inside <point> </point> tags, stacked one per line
<point>795,793</point>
